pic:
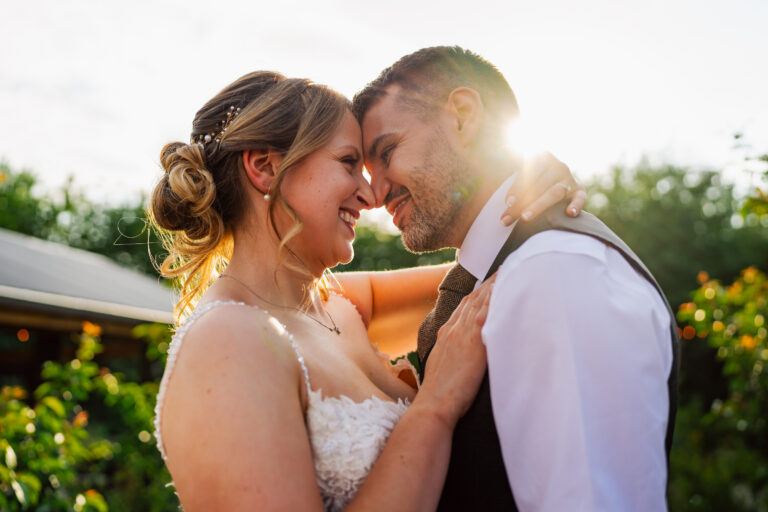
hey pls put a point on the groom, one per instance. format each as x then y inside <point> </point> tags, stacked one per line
<point>576,411</point>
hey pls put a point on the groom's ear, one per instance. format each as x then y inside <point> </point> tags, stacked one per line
<point>261,167</point>
<point>466,109</point>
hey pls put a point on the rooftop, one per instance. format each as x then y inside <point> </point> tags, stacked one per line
<point>61,280</point>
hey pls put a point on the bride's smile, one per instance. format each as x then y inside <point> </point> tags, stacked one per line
<point>327,191</point>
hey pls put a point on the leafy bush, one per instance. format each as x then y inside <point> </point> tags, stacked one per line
<point>84,443</point>
<point>720,459</point>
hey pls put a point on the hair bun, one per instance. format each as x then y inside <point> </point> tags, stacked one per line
<point>183,199</point>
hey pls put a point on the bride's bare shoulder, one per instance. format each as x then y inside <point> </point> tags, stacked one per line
<point>235,335</point>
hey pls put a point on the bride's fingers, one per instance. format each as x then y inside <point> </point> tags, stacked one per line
<point>475,309</point>
<point>553,195</point>
<point>533,187</point>
<point>578,200</point>
<point>482,314</point>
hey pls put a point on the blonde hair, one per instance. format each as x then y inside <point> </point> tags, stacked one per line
<point>200,198</point>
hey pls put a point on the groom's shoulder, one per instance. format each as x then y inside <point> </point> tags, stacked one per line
<point>560,245</point>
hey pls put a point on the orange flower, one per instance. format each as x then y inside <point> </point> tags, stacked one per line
<point>735,288</point>
<point>748,341</point>
<point>702,277</point>
<point>81,419</point>
<point>688,306</point>
<point>749,274</point>
<point>91,329</point>
<point>689,332</point>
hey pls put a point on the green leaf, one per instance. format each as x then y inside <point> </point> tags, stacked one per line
<point>95,501</point>
<point>10,457</point>
<point>31,485</point>
<point>55,405</point>
<point>21,494</point>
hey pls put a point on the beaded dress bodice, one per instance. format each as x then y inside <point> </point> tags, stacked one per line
<point>346,436</point>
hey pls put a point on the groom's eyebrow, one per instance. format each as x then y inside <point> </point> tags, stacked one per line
<point>375,146</point>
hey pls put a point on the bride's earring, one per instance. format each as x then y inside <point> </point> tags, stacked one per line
<point>267,196</point>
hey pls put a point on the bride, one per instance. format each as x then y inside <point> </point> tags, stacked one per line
<point>273,397</point>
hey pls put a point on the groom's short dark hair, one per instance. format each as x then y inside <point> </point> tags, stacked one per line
<point>430,74</point>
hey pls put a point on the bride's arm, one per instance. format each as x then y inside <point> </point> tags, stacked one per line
<point>234,430</point>
<point>377,294</point>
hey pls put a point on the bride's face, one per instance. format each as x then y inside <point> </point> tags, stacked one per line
<point>327,191</point>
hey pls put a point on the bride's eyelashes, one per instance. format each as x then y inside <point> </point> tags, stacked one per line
<point>351,160</point>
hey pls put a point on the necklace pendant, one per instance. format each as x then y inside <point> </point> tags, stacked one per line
<point>338,331</point>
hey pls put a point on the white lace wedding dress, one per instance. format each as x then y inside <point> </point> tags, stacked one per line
<point>346,437</point>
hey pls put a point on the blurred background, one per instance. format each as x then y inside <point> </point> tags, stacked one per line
<point>658,107</point>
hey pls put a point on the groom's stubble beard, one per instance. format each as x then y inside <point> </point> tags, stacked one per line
<point>435,194</point>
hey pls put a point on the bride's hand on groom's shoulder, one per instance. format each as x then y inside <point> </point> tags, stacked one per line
<point>457,363</point>
<point>542,182</point>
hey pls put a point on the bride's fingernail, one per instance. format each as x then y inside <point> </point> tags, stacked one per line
<point>527,216</point>
<point>506,220</point>
<point>510,201</point>
<point>572,211</point>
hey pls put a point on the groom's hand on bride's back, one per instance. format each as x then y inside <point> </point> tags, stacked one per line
<point>542,182</point>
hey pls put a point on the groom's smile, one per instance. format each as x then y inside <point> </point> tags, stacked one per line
<point>396,202</point>
<point>415,170</point>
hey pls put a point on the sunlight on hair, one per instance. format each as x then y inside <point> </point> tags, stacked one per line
<point>524,138</point>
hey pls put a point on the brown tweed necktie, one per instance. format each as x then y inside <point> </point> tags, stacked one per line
<point>457,283</point>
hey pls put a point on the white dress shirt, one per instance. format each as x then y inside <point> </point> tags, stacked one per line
<point>579,354</point>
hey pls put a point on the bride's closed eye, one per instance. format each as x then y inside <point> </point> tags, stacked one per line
<point>351,161</point>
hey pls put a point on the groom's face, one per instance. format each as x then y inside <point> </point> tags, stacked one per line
<point>415,171</point>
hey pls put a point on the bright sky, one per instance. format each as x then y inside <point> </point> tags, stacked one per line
<point>96,88</point>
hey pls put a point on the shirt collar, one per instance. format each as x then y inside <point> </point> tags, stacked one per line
<point>486,235</point>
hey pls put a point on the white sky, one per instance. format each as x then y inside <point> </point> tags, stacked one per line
<point>96,88</point>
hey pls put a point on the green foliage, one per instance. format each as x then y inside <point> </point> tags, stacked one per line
<point>679,222</point>
<point>68,217</point>
<point>720,459</point>
<point>757,204</point>
<point>379,250</point>
<point>84,443</point>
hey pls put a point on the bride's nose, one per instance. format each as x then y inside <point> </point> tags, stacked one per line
<point>364,195</point>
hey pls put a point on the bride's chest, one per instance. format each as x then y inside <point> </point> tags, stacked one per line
<point>346,364</point>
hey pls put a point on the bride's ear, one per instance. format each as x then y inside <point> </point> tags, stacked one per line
<point>261,167</point>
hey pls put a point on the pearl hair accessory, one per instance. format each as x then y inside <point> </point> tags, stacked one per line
<point>205,138</point>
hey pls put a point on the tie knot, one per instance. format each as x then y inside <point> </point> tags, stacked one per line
<point>458,280</point>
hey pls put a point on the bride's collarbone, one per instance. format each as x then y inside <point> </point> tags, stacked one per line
<point>340,366</point>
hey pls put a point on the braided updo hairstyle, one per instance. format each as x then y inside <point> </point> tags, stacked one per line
<point>200,198</point>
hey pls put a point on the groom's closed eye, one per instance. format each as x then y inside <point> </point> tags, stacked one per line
<point>386,153</point>
<point>379,143</point>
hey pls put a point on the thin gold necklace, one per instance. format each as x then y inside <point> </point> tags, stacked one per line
<point>332,329</point>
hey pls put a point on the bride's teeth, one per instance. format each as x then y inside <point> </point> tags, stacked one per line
<point>347,217</point>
